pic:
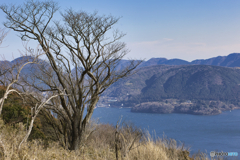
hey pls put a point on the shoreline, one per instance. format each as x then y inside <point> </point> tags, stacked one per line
<point>189,113</point>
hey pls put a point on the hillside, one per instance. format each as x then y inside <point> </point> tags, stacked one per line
<point>173,86</point>
<point>194,82</point>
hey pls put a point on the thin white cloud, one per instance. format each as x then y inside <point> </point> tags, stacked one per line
<point>167,39</point>
<point>187,51</point>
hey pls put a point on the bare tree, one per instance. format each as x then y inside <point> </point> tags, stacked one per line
<point>10,75</point>
<point>3,71</point>
<point>35,111</point>
<point>82,58</point>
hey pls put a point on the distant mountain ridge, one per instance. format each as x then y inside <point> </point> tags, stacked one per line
<point>231,60</point>
<point>163,61</point>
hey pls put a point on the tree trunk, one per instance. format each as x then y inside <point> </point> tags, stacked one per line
<point>28,133</point>
<point>74,144</point>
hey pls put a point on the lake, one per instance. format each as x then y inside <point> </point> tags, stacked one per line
<point>204,133</point>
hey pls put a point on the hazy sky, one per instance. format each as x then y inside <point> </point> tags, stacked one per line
<point>186,29</point>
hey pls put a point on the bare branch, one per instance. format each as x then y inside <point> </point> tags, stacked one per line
<point>3,34</point>
<point>14,79</point>
<point>34,114</point>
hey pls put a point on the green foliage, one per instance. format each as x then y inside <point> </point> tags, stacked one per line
<point>36,133</point>
<point>14,111</point>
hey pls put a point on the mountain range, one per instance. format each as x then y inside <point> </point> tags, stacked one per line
<point>167,86</point>
<point>232,60</point>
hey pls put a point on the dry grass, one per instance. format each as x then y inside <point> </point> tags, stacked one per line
<point>98,145</point>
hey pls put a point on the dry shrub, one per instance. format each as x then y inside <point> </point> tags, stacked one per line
<point>99,144</point>
<point>103,136</point>
<point>9,139</point>
<point>162,149</point>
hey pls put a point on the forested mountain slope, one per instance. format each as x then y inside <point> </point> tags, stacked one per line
<point>197,84</point>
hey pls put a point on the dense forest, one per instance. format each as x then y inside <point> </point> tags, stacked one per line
<point>202,85</point>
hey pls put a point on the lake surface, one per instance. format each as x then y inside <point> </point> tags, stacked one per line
<point>204,133</point>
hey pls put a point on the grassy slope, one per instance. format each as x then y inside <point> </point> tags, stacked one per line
<point>100,145</point>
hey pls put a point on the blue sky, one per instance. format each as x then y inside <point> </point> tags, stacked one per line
<point>186,29</point>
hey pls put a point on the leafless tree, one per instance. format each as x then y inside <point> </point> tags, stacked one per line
<point>31,97</point>
<point>82,59</point>
<point>10,75</point>
<point>3,71</point>
<point>35,111</point>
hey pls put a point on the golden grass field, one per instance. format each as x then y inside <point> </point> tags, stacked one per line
<point>98,146</point>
